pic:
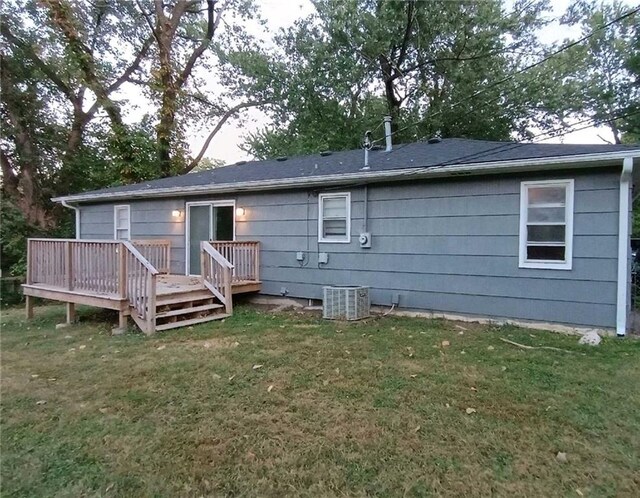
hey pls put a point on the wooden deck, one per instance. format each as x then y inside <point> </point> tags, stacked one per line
<point>116,275</point>
<point>174,284</point>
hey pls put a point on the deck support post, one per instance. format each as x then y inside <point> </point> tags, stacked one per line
<point>122,320</point>
<point>228,293</point>
<point>151,304</point>
<point>29,307</point>
<point>71,313</point>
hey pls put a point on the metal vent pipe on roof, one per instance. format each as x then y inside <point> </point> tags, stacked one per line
<point>387,133</point>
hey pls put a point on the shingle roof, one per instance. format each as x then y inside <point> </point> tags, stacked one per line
<point>403,156</point>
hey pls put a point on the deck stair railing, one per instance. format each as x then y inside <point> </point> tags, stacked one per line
<point>216,274</point>
<point>243,255</point>
<point>139,286</point>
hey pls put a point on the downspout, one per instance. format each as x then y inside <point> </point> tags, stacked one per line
<point>77,210</point>
<point>623,247</point>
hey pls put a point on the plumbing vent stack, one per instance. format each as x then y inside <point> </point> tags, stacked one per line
<point>387,133</point>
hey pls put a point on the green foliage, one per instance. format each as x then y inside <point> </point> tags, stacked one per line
<point>602,72</point>
<point>349,63</point>
<point>14,231</point>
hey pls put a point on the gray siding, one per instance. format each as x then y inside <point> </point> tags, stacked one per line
<point>449,246</point>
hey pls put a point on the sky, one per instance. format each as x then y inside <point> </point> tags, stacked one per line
<point>281,14</point>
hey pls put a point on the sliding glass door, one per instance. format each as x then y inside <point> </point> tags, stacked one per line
<point>207,221</point>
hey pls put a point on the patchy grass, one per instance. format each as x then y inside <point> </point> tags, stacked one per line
<point>374,408</point>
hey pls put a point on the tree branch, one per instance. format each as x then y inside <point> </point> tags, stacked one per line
<point>148,21</point>
<point>407,33</point>
<point>441,59</point>
<point>40,64</point>
<point>62,19</point>
<point>230,112</point>
<point>9,178</point>
<point>133,67</point>
<point>211,27</point>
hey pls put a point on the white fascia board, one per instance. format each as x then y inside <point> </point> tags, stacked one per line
<point>539,164</point>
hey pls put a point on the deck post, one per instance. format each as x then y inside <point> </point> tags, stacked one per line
<point>203,262</point>
<point>122,271</point>
<point>122,320</point>
<point>151,304</point>
<point>68,248</point>
<point>71,313</point>
<point>256,270</point>
<point>29,279</point>
<point>29,307</point>
<point>228,295</point>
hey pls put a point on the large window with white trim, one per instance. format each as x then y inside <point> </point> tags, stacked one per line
<point>122,222</point>
<point>546,224</point>
<point>334,220</point>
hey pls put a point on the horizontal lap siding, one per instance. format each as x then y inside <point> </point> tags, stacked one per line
<point>149,220</point>
<point>448,246</point>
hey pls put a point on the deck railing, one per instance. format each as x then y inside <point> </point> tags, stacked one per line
<point>110,268</point>
<point>157,252</point>
<point>243,255</point>
<point>74,265</point>
<point>216,274</point>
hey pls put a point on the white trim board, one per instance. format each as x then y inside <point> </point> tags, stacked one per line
<point>568,224</point>
<point>211,204</point>
<point>330,195</point>
<point>115,221</point>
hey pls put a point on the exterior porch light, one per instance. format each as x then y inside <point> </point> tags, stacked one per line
<point>240,211</point>
<point>176,213</point>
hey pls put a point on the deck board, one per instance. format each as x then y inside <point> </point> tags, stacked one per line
<point>166,286</point>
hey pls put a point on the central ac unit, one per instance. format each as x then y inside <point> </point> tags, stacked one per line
<point>345,302</point>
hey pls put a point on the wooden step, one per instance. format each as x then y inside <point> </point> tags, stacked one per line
<point>181,297</point>
<point>193,321</point>
<point>184,311</point>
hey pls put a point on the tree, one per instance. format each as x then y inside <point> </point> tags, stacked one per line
<point>353,61</point>
<point>603,66</point>
<point>188,53</point>
<point>54,86</point>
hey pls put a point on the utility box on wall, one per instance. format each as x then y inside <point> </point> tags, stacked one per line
<point>345,303</point>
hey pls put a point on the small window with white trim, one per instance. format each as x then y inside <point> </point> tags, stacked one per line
<point>334,221</point>
<point>122,222</point>
<point>546,224</point>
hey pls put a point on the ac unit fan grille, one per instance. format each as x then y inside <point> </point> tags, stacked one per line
<point>346,303</point>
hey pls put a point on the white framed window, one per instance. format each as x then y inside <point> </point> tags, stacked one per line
<point>334,218</point>
<point>546,224</point>
<point>121,222</point>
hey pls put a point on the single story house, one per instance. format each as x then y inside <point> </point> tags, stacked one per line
<point>521,231</point>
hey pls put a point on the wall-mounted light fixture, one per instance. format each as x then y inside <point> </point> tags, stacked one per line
<point>176,213</point>
<point>240,211</point>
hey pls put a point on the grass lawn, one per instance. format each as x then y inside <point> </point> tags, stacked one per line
<point>351,409</point>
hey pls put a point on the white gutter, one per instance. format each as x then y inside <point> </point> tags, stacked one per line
<point>623,247</point>
<point>77,210</point>
<point>576,161</point>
